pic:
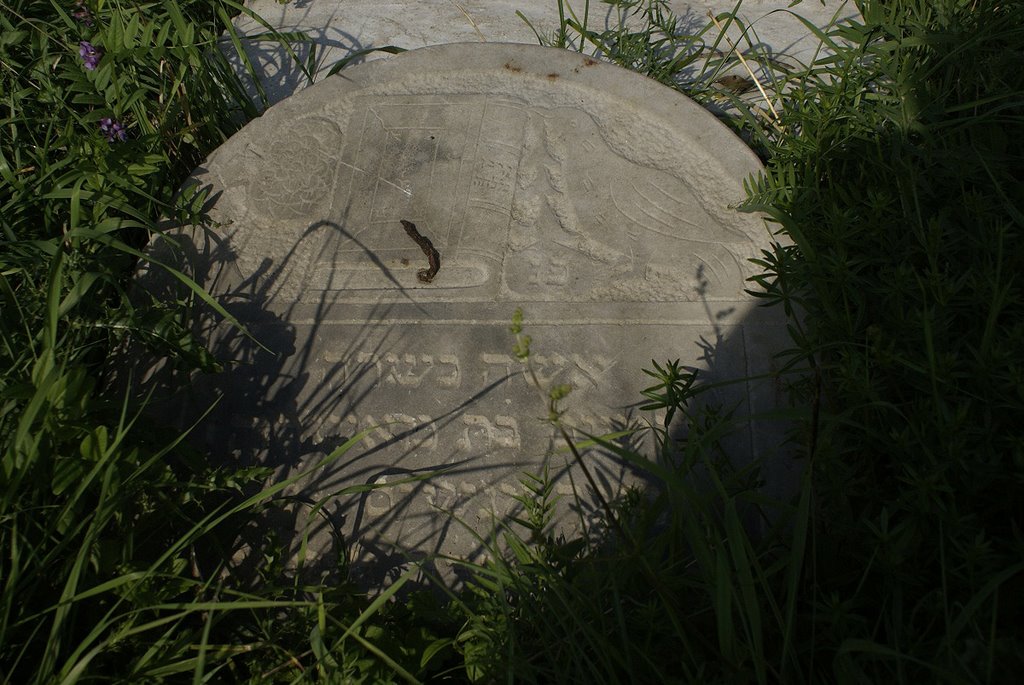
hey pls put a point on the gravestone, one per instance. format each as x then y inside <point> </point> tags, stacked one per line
<point>375,233</point>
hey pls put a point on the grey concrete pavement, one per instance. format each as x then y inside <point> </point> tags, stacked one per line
<point>340,28</point>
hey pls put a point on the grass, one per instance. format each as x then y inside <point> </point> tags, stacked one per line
<point>105,514</point>
<point>891,167</point>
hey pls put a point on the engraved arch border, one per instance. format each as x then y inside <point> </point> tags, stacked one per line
<point>416,72</point>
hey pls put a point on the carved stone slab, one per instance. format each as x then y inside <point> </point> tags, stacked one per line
<point>594,199</point>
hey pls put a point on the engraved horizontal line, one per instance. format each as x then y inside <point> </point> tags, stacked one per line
<point>415,287</point>
<point>503,322</point>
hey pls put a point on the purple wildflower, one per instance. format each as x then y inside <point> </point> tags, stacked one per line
<point>112,129</point>
<point>82,13</point>
<point>90,54</point>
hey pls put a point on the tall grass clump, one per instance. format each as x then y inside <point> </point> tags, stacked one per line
<point>902,191</point>
<point>893,180</point>
<point>114,536</point>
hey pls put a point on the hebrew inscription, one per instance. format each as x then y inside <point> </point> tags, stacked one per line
<point>597,201</point>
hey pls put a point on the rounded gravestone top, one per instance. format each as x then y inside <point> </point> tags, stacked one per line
<point>597,200</point>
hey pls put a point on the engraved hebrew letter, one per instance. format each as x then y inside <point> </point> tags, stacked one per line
<point>592,368</point>
<point>405,370</point>
<point>452,376</point>
<point>379,435</point>
<point>362,360</point>
<point>481,433</point>
<point>503,362</point>
<point>416,430</point>
<point>506,432</point>
<point>474,434</point>
<point>549,367</point>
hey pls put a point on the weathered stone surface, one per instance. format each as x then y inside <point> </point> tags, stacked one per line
<point>595,199</point>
